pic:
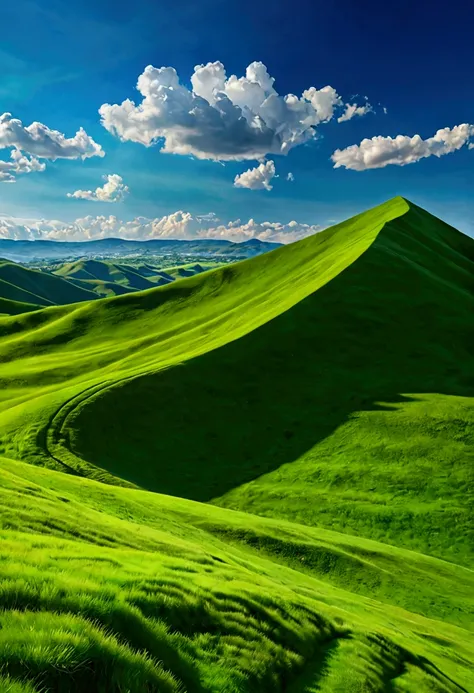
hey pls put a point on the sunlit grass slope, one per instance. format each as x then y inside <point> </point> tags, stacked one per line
<point>110,589</point>
<point>328,382</point>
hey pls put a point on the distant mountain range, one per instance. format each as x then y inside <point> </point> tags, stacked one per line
<point>27,251</point>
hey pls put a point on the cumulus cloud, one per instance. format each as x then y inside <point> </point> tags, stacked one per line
<point>324,101</point>
<point>379,152</point>
<point>19,163</point>
<point>38,140</point>
<point>353,110</point>
<point>257,178</point>
<point>220,118</point>
<point>113,190</point>
<point>276,232</point>
<point>178,225</point>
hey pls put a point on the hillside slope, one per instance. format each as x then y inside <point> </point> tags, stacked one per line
<point>23,285</point>
<point>8,307</point>
<point>111,278</point>
<point>298,374</point>
<point>111,589</point>
<point>327,383</point>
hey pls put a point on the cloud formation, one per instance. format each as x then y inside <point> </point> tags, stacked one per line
<point>113,190</point>
<point>257,178</point>
<point>220,118</point>
<point>379,152</point>
<point>38,140</point>
<point>178,225</point>
<point>239,231</point>
<point>19,163</point>
<point>353,110</point>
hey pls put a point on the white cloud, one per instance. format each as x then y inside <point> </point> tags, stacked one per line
<point>113,190</point>
<point>38,140</point>
<point>276,232</point>
<point>290,177</point>
<point>401,150</point>
<point>19,163</point>
<point>257,178</point>
<point>210,216</point>
<point>353,110</point>
<point>179,225</point>
<point>324,101</point>
<point>220,118</point>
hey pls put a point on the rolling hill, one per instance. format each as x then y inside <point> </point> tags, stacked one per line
<point>309,414</point>
<point>23,289</point>
<point>111,278</point>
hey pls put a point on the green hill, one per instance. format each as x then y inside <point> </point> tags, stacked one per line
<point>27,286</point>
<point>107,278</point>
<point>327,385</point>
<point>23,289</point>
<point>8,307</point>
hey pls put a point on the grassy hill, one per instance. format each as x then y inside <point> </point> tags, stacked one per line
<point>111,589</point>
<point>23,289</point>
<point>20,285</point>
<point>108,278</point>
<point>8,307</point>
<point>326,385</point>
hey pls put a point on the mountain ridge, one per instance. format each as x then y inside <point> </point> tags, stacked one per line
<point>21,250</point>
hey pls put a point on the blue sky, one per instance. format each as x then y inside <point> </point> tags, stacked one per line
<point>61,61</point>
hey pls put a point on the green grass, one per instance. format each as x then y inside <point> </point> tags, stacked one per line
<point>326,385</point>
<point>127,590</point>
<point>9,307</point>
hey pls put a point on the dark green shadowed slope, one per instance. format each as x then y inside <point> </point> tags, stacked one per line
<point>23,285</point>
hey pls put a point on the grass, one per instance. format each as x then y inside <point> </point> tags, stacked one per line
<point>326,390</point>
<point>176,596</point>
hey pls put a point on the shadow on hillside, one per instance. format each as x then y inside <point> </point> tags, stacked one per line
<point>383,327</point>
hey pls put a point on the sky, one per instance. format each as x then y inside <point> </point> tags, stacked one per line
<point>230,119</point>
